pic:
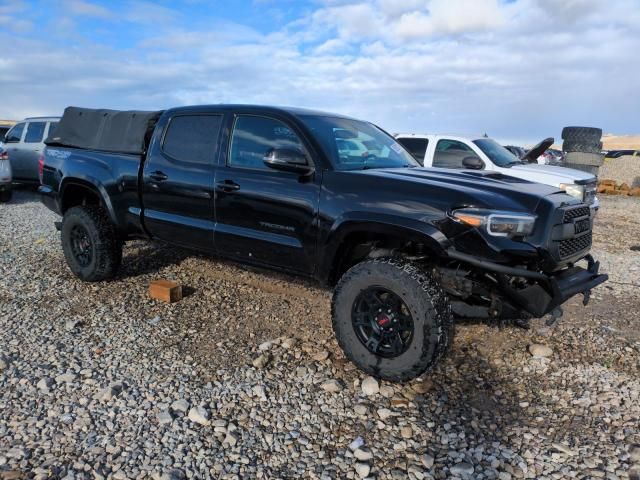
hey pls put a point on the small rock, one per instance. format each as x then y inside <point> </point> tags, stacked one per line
<point>173,474</point>
<point>361,409</point>
<point>110,392</point>
<point>363,454</point>
<point>180,405</point>
<point>384,413</point>
<point>259,391</point>
<point>634,453</point>
<point>321,356</point>
<point>264,346</point>
<point>164,417</point>
<point>563,448</point>
<point>199,415</point>
<point>45,384</point>
<point>363,469</point>
<point>331,386</point>
<point>288,343</point>
<point>66,378</point>
<point>539,350</point>
<point>427,460</point>
<point>154,321</point>
<point>71,325</point>
<point>422,387</point>
<point>231,439</point>
<point>261,361</point>
<point>356,444</point>
<point>406,432</point>
<point>462,469</point>
<point>370,386</point>
<point>3,362</point>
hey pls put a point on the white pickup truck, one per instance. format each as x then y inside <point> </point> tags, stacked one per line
<point>448,151</point>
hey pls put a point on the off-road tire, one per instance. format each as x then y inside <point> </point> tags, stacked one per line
<point>6,196</point>
<point>576,146</point>
<point>582,158</point>
<point>584,135</point>
<point>429,306</point>
<point>105,247</point>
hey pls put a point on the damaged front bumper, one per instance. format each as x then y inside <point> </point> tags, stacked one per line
<point>548,291</point>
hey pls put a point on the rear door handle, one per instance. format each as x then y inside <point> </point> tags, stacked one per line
<point>227,186</point>
<point>158,176</point>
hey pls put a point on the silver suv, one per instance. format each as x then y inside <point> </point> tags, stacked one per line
<point>24,144</point>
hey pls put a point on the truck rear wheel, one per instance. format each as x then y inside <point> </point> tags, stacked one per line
<point>391,318</point>
<point>90,244</point>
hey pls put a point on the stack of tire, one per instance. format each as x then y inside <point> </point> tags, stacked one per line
<point>583,147</point>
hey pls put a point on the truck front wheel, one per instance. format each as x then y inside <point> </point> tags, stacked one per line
<point>391,318</point>
<point>90,244</point>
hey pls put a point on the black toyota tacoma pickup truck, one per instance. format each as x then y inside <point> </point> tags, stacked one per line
<point>406,249</point>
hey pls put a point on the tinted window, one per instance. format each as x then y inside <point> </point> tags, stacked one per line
<point>192,138</point>
<point>497,153</point>
<point>254,137</point>
<point>52,128</point>
<point>417,147</point>
<point>450,153</point>
<point>35,132</point>
<point>15,133</point>
<point>356,145</point>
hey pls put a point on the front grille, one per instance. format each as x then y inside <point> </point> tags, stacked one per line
<point>575,213</point>
<point>571,246</point>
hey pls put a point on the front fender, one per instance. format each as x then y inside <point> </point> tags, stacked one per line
<point>365,222</point>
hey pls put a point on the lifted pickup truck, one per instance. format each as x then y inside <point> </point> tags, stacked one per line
<point>405,247</point>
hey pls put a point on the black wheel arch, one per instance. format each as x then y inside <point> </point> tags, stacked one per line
<point>78,191</point>
<point>355,239</point>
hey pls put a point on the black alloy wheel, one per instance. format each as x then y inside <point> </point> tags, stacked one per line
<point>382,322</point>
<point>81,245</point>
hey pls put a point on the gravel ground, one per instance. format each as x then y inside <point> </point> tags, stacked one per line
<point>243,378</point>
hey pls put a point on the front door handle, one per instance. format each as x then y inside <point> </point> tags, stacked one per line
<point>227,186</point>
<point>158,176</point>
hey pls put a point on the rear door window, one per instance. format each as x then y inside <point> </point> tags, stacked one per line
<point>192,138</point>
<point>15,134</point>
<point>417,147</point>
<point>35,132</point>
<point>450,153</point>
<point>52,128</point>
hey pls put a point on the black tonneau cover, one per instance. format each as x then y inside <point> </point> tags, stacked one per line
<point>106,130</point>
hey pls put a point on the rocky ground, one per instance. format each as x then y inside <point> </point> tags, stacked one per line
<point>243,378</point>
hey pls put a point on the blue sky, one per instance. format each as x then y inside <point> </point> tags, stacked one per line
<point>518,70</point>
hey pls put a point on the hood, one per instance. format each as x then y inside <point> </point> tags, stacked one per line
<point>533,154</point>
<point>550,174</point>
<point>477,186</point>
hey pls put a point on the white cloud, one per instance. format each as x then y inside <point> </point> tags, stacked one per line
<point>84,8</point>
<point>518,70</point>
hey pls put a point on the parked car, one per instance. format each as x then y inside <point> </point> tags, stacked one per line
<point>24,143</point>
<point>4,128</point>
<point>402,245</point>
<point>446,151</point>
<point>6,176</point>
<point>551,156</point>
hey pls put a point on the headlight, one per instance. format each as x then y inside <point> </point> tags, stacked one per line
<point>573,190</point>
<point>498,224</point>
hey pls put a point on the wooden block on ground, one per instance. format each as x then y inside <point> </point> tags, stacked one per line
<point>624,187</point>
<point>603,188</point>
<point>635,192</point>
<point>608,190</point>
<point>165,290</point>
<point>613,183</point>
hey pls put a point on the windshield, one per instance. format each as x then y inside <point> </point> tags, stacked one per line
<point>497,153</point>
<point>356,145</point>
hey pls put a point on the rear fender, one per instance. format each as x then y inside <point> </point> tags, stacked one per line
<point>93,185</point>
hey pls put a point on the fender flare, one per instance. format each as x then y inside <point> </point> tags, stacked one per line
<point>95,186</point>
<point>367,222</point>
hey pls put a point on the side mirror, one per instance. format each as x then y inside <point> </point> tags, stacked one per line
<point>288,160</point>
<point>472,163</point>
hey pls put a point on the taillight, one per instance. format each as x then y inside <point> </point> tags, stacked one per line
<point>40,167</point>
<point>4,155</point>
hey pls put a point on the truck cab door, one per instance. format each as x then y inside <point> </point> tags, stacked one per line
<point>265,216</point>
<point>177,180</point>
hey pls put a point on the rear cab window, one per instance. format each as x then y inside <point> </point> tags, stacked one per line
<point>417,147</point>
<point>35,132</point>
<point>192,138</point>
<point>15,134</point>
